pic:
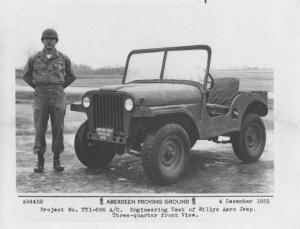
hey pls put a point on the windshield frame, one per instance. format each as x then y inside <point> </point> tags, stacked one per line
<point>165,50</point>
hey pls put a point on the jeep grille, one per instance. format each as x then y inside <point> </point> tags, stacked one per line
<point>108,111</point>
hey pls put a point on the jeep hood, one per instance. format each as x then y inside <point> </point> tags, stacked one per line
<point>157,94</point>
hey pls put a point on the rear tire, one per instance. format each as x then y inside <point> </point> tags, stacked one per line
<point>165,154</point>
<point>92,154</point>
<point>249,143</point>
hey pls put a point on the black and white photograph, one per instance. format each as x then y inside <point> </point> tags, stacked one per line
<point>193,117</point>
<point>150,111</point>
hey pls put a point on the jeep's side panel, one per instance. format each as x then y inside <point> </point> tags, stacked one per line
<point>216,126</point>
<point>222,125</point>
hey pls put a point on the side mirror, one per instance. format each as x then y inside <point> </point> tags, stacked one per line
<point>210,82</point>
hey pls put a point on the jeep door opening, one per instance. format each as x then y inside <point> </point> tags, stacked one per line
<point>167,101</point>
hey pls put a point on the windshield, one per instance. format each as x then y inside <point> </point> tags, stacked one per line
<point>179,65</point>
<point>144,66</point>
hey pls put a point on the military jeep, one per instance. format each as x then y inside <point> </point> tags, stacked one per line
<point>167,101</point>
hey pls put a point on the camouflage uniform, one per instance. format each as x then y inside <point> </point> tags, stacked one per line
<point>49,77</point>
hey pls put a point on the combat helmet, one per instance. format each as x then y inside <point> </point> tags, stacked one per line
<point>49,33</point>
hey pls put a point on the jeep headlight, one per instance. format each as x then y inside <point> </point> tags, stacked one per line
<point>129,104</point>
<point>86,102</point>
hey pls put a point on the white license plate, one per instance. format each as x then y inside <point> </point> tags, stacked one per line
<point>105,133</point>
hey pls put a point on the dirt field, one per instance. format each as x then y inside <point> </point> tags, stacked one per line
<point>213,167</point>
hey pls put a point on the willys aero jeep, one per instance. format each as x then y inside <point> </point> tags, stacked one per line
<point>167,101</point>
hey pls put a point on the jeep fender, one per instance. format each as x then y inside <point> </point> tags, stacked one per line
<point>252,102</point>
<point>186,115</point>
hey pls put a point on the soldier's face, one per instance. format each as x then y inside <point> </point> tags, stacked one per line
<point>49,43</point>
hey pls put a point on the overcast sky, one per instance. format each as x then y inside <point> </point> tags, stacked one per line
<point>240,33</point>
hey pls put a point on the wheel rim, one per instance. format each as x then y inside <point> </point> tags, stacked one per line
<point>254,139</point>
<point>171,154</point>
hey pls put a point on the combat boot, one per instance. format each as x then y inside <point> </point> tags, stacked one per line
<point>56,163</point>
<point>40,164</point>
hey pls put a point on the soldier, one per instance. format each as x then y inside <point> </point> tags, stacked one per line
<point>49,72</point>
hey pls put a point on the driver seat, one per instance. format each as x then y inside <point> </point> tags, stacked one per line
<point>222,95</point>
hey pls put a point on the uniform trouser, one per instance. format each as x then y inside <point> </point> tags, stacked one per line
<point>49,101</point>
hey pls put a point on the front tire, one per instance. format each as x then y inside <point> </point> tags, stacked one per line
<point>92,154</point>
<point>249,143</point>
<point>165,154</point>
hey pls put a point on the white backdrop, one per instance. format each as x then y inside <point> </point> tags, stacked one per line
<point>250,32</point>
